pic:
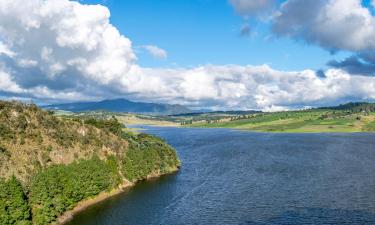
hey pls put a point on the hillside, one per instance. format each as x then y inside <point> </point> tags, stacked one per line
<point>351,117</point>
<point>355,107</point>
<point>48,164</point>
<point>122,105</point>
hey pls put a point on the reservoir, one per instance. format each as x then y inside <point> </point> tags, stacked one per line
<point>240,177</point>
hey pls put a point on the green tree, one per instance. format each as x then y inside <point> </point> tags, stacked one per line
<point>14,208</point>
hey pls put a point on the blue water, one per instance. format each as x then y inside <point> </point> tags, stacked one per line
<point>234,177</point>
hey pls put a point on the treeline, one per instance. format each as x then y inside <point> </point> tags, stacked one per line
<point>355,107</point>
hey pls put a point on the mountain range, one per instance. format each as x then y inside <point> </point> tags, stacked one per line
<point>121,105</point>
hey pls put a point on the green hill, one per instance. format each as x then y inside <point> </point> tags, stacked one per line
<point>48,164</point>
<point>354,107</point>
<point>351,117</point>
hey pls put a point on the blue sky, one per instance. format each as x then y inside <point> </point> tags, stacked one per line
<point>198,32</point>
<point>220,54</point>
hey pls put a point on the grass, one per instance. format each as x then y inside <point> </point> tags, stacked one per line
<point>131,119</point>
<point>347,118</point>
<point>310,121</point>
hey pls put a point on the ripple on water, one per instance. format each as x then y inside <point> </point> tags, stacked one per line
<point>232,177</point>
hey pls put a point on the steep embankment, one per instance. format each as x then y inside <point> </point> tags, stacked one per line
<point>49,164</point>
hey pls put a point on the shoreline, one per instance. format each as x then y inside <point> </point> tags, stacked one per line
<point>285,131</point>
<point>84,204</point>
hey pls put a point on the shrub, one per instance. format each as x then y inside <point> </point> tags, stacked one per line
<point>6,132</point>
<point>110,125</point>
<point>14,208</point>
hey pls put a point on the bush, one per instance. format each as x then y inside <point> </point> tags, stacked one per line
<point>110,125</point>
<point>6,132</point>
<point>14,208</point>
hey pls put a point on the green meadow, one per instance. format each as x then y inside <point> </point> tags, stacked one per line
<point>306,121</point>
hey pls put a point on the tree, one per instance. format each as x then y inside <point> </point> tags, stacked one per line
<point>14,208</point>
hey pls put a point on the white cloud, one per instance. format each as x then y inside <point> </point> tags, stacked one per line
<point>155,51</point>
<point>4,50</point>
<point>54,33</point>
<point>59,50</point>
<point>27,63</point>
<point>247,87</point>
<point>7,84</point>
<point>332,24</point>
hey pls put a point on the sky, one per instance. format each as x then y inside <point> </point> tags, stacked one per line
<point>199,32</point>
<point>221,54</point>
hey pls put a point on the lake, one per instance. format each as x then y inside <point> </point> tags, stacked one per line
<point>239,177</point>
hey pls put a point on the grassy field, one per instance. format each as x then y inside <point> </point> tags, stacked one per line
<point>131,119</point>
<point>350,117</point>
<point>310,121</point>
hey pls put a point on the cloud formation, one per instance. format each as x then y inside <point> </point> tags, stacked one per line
<point>155,51</point>
<point>250,87</point>
<point>332,24</point>
<point>59,40</point>
<point>59,50</point>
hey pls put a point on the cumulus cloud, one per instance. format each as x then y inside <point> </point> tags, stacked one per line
<point>7,84</point>
<point>332,24</point>
<point>155,51</point>
<point>59,50</point>
<point>63,37</point>
<point>249,8</point>
<point>248,87</point>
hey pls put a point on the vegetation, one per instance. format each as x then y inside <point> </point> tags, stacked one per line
<point>146,156</point>
<point>352,117</point>
<point>14,208</point>
<point>59,188</point>
<point>48,164</point>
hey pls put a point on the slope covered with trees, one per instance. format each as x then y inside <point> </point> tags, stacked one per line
<point>48,164</point>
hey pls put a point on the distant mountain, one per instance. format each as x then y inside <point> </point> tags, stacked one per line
<point>121,105</point>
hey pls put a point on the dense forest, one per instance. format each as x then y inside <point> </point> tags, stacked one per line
<point>48,164</point>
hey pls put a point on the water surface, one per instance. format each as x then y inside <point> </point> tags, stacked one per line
<point>235,177</point>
